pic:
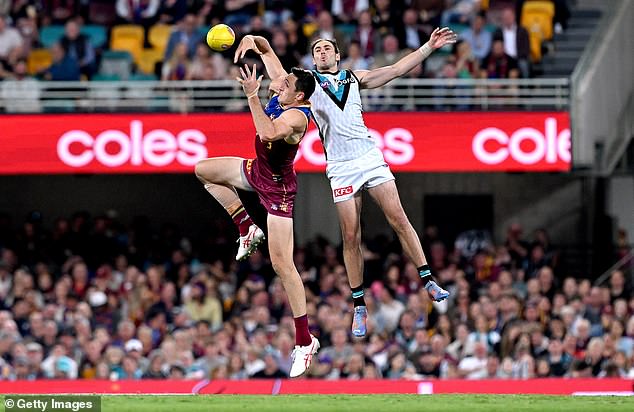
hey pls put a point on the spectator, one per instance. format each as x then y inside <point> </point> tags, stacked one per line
<point>618,289</point>
<point>355,60</point>
<point>178,66</point>
<point>515,38</point>
<point>277,12</point>
<point>327,30</point>
<point>410,34</point>
<point>20,92</point>
<point>142,12</point>
<point>429,13</point>
<point>297,41</point>
<point>385,18</point>
<point>460,11</point>
<point>271,369</point>
<point>78,47</point>
<point>466,64</point>
<point>366,35</point>
<point>64,67</point>
<point>483,335</point>
<point>202,305</point>
<point>239,12</point>
<point>60,10</point>
<point>257,28</point>
<point>185,33</point>
<point>173,11</point>
<point>280,45</point>
<point>156,368</point>
<point>390,52</point>
<point>339,351</point>
<point>10,39</point>
<point>347,11</point>
<point>478,37</point>
<point>200,61</point>
<point>475,365</point>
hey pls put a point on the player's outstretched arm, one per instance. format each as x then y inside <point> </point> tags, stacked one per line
<point>262,47</point>
<point>288,125</point>
<point>371,79</point>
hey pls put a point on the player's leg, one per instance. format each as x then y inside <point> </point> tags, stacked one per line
<point>387,198</point>
<point>349,212</point>
<point>220,176</point>
<point>281,252</point>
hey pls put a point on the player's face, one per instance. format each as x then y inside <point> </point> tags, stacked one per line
<point>325,56</point>
<point>288,94</point>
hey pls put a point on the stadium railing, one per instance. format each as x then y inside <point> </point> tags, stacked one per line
<point>226,96</point>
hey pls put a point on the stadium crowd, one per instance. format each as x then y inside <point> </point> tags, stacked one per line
<point>92,298</point>
<point>369,33</point>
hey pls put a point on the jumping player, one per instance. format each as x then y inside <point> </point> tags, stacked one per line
<point>353,160</point>
<point>280,126</point>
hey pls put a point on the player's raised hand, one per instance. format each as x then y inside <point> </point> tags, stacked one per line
<point>247,43</point>
<point>249,81</point>
<point>441,37</point>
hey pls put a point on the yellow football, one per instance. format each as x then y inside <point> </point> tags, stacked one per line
<point>220,37</point>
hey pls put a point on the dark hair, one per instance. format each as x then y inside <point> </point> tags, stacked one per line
<point>305,82</point>
<point>331,41</point>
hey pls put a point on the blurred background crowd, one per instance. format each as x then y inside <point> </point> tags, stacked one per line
<point>164,39</point>
<point>89,297</point>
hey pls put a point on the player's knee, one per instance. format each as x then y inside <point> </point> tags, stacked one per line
<point>400,223</point>
<point>280,266</point>
<point>351,238</point>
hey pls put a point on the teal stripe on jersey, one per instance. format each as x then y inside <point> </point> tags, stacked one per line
<point>338,92</point>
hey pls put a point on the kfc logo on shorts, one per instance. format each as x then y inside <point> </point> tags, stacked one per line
<point>342,191</point>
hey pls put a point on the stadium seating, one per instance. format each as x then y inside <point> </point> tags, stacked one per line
<point>159,35</point>
<point>148,59</point>
<point>116,63</point>
<point>128,37</point>
<point>49,35</point>
<point>97,35</point>
<point>38,60</point>
<point>537,18</point>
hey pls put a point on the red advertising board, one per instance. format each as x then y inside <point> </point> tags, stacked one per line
<point>173,143</point>
<point>551,386</point>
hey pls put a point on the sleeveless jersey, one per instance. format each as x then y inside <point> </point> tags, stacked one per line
<point>337,111</point>
<point>271,173</point>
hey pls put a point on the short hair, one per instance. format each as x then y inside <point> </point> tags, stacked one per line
<point>305,82</point>
<point>331,41</point>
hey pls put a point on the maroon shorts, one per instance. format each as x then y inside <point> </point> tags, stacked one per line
<point>277,197</point>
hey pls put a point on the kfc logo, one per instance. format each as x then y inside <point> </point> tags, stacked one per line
<point>114,148</point>
<point>342,191</point>
<point>527,145</point>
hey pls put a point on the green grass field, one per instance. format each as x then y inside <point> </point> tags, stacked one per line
<point>364,403</point>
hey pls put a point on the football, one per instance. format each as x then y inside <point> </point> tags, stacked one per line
<point>220,37</point>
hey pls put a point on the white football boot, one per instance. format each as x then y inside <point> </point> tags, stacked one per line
<point>248,243</point>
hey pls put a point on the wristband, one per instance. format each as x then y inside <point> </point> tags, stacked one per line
<point>425,50</point>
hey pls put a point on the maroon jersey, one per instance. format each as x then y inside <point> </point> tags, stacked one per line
<point>271,173</point>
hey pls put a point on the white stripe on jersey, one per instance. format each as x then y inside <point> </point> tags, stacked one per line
<point>343,132</point>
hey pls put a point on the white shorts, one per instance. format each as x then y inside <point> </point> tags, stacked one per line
<point>350,176</point>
